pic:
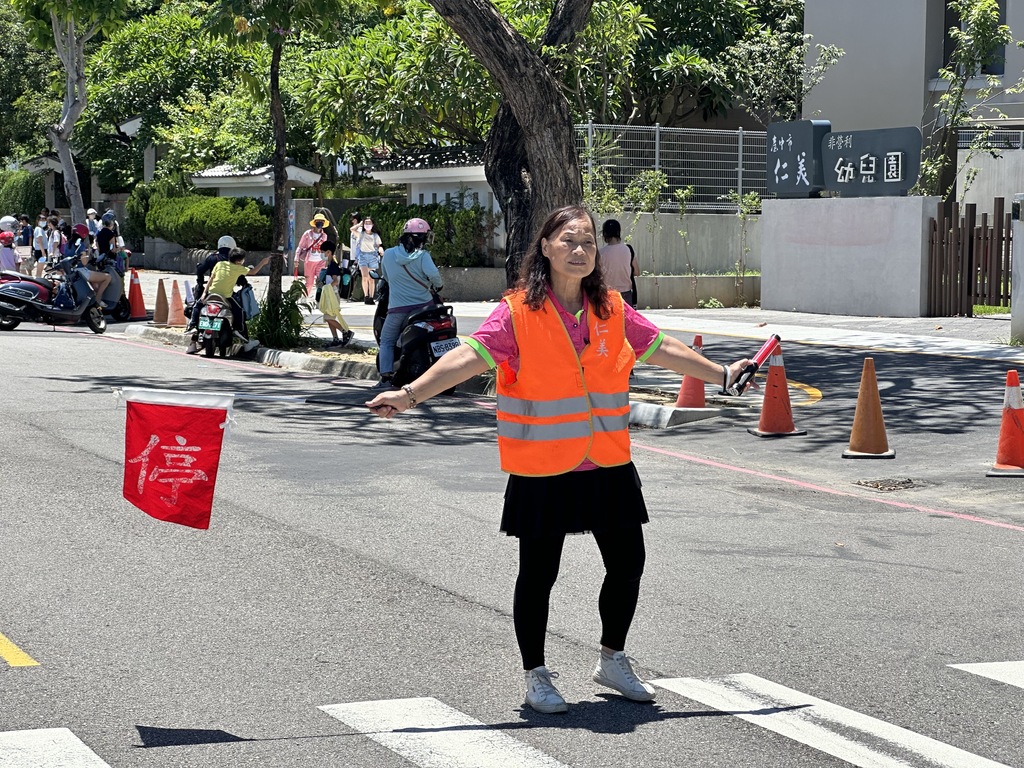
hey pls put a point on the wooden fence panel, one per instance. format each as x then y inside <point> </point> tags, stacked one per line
<point>968,260</point>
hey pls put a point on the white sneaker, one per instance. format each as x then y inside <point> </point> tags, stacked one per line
<point>541,693</point>
<point>193,349</point>
<point>617,673</point>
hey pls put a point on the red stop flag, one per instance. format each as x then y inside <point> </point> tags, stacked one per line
<point>172,445</point>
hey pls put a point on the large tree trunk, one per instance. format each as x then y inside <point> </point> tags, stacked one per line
<point>71,52</point>
<point>530,159</point>
<point>280,177</point>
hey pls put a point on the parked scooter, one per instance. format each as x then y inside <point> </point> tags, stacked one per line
<point>426,335</point>
<point>62,297</point>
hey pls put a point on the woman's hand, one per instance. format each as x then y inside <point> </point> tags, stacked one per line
<point>387,404</point>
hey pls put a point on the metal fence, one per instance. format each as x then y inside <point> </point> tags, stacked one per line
<point>997,138</point>
<point>713,162</point>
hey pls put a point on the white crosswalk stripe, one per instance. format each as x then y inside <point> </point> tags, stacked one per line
<point>1009,672</point>
<point>858,739</point>
<point>430,734</point>
<point>46,748</point>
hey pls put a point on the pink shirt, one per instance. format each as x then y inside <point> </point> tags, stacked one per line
<point>495,339</point>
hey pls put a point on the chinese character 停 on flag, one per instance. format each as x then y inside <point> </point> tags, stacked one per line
<point>172,444</point>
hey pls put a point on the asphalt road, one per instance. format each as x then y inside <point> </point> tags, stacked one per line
<point>353,560</point>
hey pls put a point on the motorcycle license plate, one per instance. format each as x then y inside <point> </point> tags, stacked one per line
<point>440,347</point>
<point>210,323</point>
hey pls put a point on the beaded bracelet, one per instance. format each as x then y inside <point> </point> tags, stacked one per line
<point>411,394</point>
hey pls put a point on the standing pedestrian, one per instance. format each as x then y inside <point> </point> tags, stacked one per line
<point>23,248</point>
<point>308,253</point>
<point>8,258</point>
<point>618,262</point>
<point>54,244</point>
<point>330,303</point>
<point>564,344</point>
<point>40,240</point>
<point>368,248</point>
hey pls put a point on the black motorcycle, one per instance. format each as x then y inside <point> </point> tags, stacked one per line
<point>426,335</point>
<point>63,296</point>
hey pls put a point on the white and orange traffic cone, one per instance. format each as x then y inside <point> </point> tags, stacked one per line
<point>138,306</point>
<point>691,391</point>
<point>867,438</point>
<point>776,411</point>
<point>1010,452</point>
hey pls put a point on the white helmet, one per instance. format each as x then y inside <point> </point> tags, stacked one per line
<point>226,242</point>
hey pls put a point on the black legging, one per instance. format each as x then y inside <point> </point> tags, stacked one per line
<point>623,554</point>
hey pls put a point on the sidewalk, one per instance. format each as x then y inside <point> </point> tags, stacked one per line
<point>981,338</point>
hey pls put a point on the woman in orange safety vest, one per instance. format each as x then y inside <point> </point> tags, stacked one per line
<point>564,346</point>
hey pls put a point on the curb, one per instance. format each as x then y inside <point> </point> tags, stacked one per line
<point>641,414</point>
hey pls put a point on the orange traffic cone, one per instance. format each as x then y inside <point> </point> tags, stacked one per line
<point>176,313</point>
<point>691,392</point>
<point>776,411</point>
<point>138,306</point>
<point>1010,453</point>
<point>160,313</point>
<point>867,439</point>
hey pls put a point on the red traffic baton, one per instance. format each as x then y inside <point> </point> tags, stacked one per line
<point>757,361</point>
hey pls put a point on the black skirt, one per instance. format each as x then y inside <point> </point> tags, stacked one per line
<point>602,499</point>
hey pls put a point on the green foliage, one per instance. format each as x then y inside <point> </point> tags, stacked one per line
<point>280,323</point>
<point>461,234</point>
<point>769,67</point>
<point>979,41</point>
<point>21,192</point>
<point>23,70</point>
<point>147,68</point>
<point>599,193</point>
<point>711,303</point>
<point>643,193</point>
<point>197,221</point>
<point>137,205</point>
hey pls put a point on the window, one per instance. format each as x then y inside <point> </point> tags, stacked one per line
<point>998,65</point>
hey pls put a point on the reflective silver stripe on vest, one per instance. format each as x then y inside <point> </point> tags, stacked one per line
<point>614,400</point>
<point>611,423</point>
<point>567,406</point>
<point>542,432</point>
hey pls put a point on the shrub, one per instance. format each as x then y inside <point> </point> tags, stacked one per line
<point>197,221</point>
<point>461,235</point>
<point>21,192</point>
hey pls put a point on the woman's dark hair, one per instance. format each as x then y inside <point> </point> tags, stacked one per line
<point>610,229</point>
<point>535,273</point>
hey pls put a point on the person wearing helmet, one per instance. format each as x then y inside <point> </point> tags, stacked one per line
<point>308,252</point>
<point>225,245</point>
<point>8,259</point>
<point>413,281</point>
<point>204,267</point>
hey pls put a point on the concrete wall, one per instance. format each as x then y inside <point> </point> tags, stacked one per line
<point>712,243</point>
<point>997,177</point>
<point>893,50</point>
<point>857,256</point>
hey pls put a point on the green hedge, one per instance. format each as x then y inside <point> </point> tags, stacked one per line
<point>461,235</point>
<point>21,192</point>
<point>197,221</point>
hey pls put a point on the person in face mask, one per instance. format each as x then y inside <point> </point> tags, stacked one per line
<point>308,251</point>
<point>40,241</point>
<point>369,249</point>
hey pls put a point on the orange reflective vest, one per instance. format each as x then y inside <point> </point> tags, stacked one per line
<point>560,408</point>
